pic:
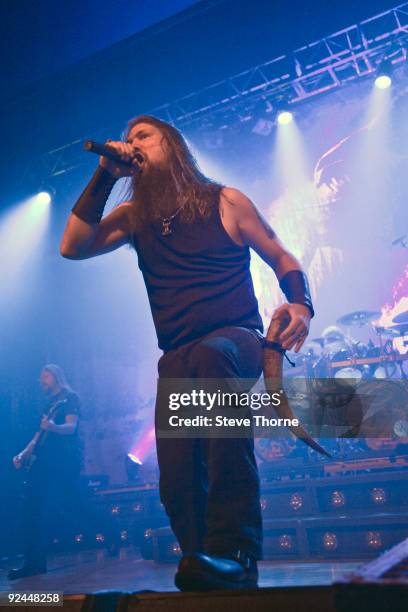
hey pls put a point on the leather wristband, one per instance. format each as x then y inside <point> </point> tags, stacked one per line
<point>92,200</point>
<point>295,286</point>
<point>275,346</point>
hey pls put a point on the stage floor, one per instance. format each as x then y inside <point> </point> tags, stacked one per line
<point>92,571</point>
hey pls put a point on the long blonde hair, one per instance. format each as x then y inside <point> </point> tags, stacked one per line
<point>58,374</point>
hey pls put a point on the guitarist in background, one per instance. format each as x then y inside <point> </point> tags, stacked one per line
<point>52,462</point>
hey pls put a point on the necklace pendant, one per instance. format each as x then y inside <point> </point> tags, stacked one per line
<point>166,229</point>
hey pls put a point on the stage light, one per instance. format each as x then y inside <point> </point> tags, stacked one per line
<point>43,197</point>
<point>143,445</point>
<point>263,503</point>
<point>296,501</point>
<point>100,537</point>
<point>383,72</point>
<point>146,546</point>
<point>383,81</point>
<point>373,539</point>
<point>330,541</point>
<point>285,117</point>
<point>135,459</point>
<point>132,466</point>
<point>378,495</point>
<point>115,509</point>
<point>137,507</point>
<point>23,234</point>
<point>338,499</point>
<point>285,541</point>
<point>175,549</point>
<point>78,538</point>
<point>124,535</point>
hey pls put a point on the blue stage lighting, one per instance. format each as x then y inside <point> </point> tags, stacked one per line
<point>285,117</point>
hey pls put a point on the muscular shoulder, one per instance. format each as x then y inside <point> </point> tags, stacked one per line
<point>237,211</point>
<point>236,201</point>
<point>232,206</point>
<point>245,218</point>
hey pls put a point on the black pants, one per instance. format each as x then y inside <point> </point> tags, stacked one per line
<point>50,504</point>
<point>210,486</point>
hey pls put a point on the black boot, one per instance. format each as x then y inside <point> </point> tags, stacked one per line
<point>26,570</point>
<point>200,572</point>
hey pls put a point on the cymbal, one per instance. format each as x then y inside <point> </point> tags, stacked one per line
<point>402,317</point>
<point>386,331</point>
<point>401,328</point>
<point>358,317</point>
<point>393,330</point>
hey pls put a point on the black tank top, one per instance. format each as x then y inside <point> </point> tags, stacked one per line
<point>197,279</point>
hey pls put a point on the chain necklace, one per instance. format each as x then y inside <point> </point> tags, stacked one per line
<point>166,223</point>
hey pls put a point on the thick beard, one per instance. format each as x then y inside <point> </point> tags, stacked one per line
<point>155,192</point>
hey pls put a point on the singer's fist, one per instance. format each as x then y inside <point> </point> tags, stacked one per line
<point>127,154</point>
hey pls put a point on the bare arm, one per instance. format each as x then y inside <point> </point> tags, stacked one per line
<point>82,240</point>
<point>65,429</point>
<point>252,230</point>
<point>84,236</point>
<point>255,232</point>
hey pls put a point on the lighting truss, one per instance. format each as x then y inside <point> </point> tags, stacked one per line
<point>316,68</point>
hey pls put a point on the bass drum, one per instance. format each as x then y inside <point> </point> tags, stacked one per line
<point>351,375</point>
<point>379,370</point>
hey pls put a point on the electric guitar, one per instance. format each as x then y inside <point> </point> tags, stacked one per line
<point>27,461</point>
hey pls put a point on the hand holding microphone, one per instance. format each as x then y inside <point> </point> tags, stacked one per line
<point>120,159</point>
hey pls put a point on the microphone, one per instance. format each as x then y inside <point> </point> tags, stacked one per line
<point>110,153</point>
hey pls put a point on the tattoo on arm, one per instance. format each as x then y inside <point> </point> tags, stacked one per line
<point>269,231</point>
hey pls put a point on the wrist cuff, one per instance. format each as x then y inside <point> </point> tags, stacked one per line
<point>92,201</point>
<point>295,286</point>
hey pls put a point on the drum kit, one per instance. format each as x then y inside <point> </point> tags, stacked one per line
<point>360,386</point>
<point>340,378</point>
<point>337,354</point>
